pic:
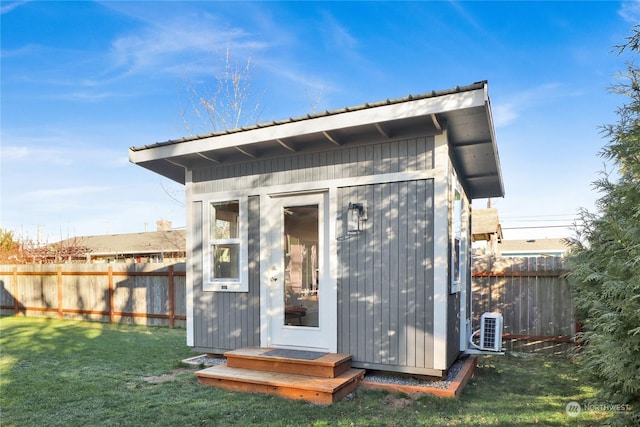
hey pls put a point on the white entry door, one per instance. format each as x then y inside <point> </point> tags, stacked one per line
<point>300,298</point>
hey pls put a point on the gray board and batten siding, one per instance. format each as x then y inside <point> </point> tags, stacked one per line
<point>385,279</point>
<point>406,155</point>
<point>385,274</point>
<point>226,320</point>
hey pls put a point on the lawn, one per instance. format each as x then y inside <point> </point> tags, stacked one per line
<point>70,373</point>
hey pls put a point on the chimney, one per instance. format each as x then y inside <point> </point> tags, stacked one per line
<point>163,225</point>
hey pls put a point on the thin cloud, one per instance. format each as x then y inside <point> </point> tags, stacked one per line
<point>342,43</point>
<point>62,193</point>
<point>337,35</point>
<point>509,110</point>
<point>505,113</point>
<point>302,78</point>
<point>89,96</point>
<point>6,8</point>
<point>119,161</point>
<point>33,154</point>
<point>159,48</point>
<point>13,153</point>
<point>28,148</point>
<point>466,15</point>
<point>177,45</point>
<point>26,50</point>
<point>630,11</point>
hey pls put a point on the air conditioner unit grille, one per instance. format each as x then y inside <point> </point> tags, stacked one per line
<point>489,338</point>
<point>491,332</point>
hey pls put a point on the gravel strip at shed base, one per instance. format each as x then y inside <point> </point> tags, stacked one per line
<point>205,360</point>
<point>450,386</point>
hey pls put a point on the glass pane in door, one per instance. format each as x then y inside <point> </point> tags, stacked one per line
<point>301,266</point>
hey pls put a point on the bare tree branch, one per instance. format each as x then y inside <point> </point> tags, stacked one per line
<point>232,103</point>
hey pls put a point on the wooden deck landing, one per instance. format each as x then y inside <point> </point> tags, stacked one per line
<point>329,365</point>
<point>325,379</point>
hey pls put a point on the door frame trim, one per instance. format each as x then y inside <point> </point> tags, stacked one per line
<point>330,322</point>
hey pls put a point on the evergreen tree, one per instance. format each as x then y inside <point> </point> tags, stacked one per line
<point>605,259</point>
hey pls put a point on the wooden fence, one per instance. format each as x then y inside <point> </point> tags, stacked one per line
<point>530,293</point>
<point>533,298</point>
<point>152,294</point>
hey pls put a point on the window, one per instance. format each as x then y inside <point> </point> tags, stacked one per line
<point>457,235</point>
<point>459,240</point>
<point>226,255</point>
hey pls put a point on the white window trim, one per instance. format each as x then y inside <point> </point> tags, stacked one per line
<point>226,285</point>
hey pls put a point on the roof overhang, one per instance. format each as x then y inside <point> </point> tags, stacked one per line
<point>465,113</point>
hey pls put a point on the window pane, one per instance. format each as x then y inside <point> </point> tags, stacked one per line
<point>224,220</point>
<point>456,260</point>
<point>224,262</point>
<point>457,214</point>
<point>301,299</point>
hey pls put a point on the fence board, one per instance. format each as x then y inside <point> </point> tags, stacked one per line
<point>533,298</point>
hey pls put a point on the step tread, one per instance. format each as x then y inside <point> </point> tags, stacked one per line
<point>329,359</point>
<point>306,382</point>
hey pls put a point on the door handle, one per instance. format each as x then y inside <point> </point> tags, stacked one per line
<point>274,278</point>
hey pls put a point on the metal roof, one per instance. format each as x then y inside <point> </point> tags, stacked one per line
<point>131,243</point>
<point>464,112</point>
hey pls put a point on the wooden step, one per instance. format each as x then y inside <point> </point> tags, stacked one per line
<point>287,385</point>
<point>330,365</point>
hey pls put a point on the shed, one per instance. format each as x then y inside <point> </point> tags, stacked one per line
<point>344,231</point>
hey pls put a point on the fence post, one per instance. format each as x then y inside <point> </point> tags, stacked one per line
<point>110,284</point>
<point>16,303</point>
<point>171,297</point>
<point>59,282</point>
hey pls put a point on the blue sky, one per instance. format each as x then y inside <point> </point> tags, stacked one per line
<point>83,81</point>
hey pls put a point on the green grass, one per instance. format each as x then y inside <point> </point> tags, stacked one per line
<point>69,373</point>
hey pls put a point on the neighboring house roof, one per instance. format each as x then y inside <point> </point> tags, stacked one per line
<point>153,242</point>
<point>484,224</point>
<point>464,112</point>
<point>537,247</point>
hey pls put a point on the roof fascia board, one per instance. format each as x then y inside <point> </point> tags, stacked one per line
<point>415,108</point>
<point>494,146</point>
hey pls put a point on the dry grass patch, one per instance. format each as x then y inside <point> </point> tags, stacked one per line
<point>157,379</point>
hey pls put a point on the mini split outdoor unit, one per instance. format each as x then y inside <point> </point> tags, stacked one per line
<point>490,333</point>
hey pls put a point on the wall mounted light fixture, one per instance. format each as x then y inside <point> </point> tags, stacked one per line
<point>355,217</point>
